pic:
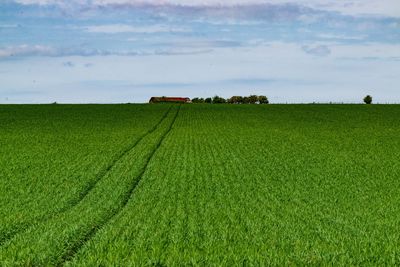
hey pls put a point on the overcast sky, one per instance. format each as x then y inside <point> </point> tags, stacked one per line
<point>110,51</point>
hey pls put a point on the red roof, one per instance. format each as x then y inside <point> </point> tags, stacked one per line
<point>172,99</point>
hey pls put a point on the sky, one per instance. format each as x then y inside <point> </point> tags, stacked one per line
<point>119,51</point>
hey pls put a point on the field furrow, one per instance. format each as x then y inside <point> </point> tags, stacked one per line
<point>84,239</point>
<point>81,195</point>
<point>57,238</point>
<point>51,155</point>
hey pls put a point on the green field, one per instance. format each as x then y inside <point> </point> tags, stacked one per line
<point>225,185</point>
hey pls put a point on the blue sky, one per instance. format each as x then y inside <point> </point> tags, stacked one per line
<point>111,51</point>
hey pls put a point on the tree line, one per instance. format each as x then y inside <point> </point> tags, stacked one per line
<point>252,99</point>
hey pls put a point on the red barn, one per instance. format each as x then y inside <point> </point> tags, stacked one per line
<point>165,99</point>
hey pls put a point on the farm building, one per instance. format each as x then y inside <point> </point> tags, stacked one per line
<point>165,99</point>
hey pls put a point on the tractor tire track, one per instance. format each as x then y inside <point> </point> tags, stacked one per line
<point>70,254</point>
<point>107,169</point>
<point>91,185</point>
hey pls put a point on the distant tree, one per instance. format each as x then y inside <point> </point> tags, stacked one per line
<point>246,100</point>
<point>218,100</point>
<point>198,100</point>
<point>368,99</point>
<point>240,99</point>
<point>253,99</point>
<point>235,100</point>
<point>262,99</point>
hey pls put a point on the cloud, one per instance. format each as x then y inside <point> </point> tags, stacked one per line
<point>70,64</point>
<point>182,52</point>
<point>319,50</point>
<point>341,37</point>
<point>351,7</point>
<point>197,43</point>
<point>47,51</point>
<point>24,50</point>
<point>234,12</point>
<point>124,28</point>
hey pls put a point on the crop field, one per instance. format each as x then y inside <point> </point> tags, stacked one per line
<point>198,184</point>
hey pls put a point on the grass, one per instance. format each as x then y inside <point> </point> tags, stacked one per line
<point>200,185</point>
<point>51,156</point>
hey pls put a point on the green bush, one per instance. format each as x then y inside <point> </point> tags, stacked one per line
<point>262,99</point>
<point>198,100</point>
<point>368,100</point>
<point>218,100</point>
<point>252,99</point>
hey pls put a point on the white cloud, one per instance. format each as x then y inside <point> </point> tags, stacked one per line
<point>381,7</point>
<point>329,36</point>
<point>22,50</point>
<point>123,28</point>
<point>47,51</point>
<point>319,50</point>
